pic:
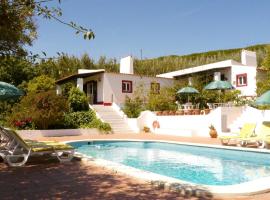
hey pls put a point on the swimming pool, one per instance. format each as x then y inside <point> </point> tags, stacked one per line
<point>195,164</point>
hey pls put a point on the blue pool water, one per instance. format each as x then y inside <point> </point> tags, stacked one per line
<point>203,165</point>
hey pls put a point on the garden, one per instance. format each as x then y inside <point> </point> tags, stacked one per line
<point>168,100</point>
<point>40,108</point>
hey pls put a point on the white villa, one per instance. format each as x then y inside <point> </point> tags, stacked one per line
<point>110,89</point>
<point>241,75</point>
<point>106,88</point>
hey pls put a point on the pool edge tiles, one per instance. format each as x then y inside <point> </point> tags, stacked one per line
<point>247,188</point>
<point>256,150</point>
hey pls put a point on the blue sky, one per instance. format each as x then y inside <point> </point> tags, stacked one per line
<point>158,27</point>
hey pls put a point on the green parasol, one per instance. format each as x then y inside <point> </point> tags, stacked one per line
<point>8,91</point>
<point>187,90</point>
<point>219,85</point>
<point>264,99</point>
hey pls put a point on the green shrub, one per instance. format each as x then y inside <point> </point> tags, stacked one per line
<point>79,119</point>
<point>106,127</point>
<point>77,100</point>
<point>231,96</point>
<point>66,88</point>
<point>207,96</point>
<point>45,109</point>
<point>41,84</point>
<point>5,110</point>
<point>85,119</point>
<point>165,100</point>
<point>97,123</point>
<point>133,107</point>
<point>263,83</point>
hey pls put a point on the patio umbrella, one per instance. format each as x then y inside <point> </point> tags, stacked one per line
<point>8,91</point>
<point>219,85</point>
<point>264,99</point>
<point>187,90</point>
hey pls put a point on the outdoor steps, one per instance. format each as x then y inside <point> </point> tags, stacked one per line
<point>238,123</point>
<point>109,115</point>
<point>247,116</point>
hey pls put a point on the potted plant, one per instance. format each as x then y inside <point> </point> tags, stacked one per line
<point>213,132</point>
<point>146,129</point>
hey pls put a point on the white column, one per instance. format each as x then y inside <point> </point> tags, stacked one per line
<point>190,81</point>
<point>80,83</point>
<point>58,90</point>
<point>217,76</point>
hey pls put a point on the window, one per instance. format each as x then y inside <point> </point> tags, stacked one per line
<point>241,80</point>
<point>126,86</point>
<point>155,87</point>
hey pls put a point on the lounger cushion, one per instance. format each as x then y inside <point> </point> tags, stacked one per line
<point>59,146</point>
<point>52,144</point>
<point>246,131</point>
<point>42,149</point>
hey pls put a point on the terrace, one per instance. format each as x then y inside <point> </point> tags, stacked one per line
<point>87,180</point>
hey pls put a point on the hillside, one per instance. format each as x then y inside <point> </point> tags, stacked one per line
<point>174,62</point>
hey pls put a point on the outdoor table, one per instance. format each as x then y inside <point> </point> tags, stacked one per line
<point>188,106</point>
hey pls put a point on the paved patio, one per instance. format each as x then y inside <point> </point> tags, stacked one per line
<point>45,178</point>
<point>143,136</point>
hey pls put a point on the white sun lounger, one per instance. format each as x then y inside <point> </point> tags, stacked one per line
<point>15,151</point>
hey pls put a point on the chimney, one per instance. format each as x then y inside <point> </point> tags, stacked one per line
<point>126,65</point>
<point>248,58</point>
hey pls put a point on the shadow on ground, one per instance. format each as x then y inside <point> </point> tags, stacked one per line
<point>48,179</point>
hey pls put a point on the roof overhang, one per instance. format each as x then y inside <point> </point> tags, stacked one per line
<point>76,76</point>
<point>202,68</point>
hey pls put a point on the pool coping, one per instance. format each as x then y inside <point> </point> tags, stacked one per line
<point>248,188</point>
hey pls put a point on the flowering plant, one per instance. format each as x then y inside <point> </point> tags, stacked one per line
<point>24,123</point>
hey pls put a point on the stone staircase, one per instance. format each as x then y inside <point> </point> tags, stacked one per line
<point>109,115</point>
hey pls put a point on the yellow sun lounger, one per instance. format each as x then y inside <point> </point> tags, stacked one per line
<point>262,138</point>
<point>246,131</point>
<point>17,151</point>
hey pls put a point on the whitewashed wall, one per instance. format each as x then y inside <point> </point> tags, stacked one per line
<point>251,71</point>
<point>192,125</point>
<point>112,85</point>
<point>37,134</point>
<point>133,124</point>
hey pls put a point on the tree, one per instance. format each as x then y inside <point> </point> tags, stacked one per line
<point>15,71</point>
<point>17,27</point>
<point>170,63</point>
<point>165,100</point>
<point>41,83</point>
<point>66,65</point>
<point>263,85</point>
<point>266,60</point>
